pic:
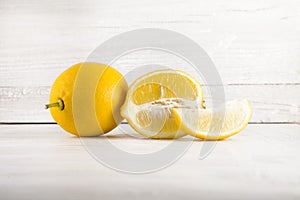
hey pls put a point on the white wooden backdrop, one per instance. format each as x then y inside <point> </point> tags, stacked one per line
<point>255,46</point>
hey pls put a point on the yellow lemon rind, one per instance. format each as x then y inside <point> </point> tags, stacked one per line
<point>203,135</point>
<point>124,108</point>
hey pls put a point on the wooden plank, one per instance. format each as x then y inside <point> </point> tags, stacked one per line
<point>43,162</point>
<point>270,103</point>
<point>249,41</point>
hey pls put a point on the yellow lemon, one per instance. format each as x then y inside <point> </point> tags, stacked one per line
<point>219,124</point>
<point>88,96</point>
<point>151,97</point>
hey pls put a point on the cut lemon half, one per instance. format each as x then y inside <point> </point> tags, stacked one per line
<point>219,124</point>
<point>151,97</point>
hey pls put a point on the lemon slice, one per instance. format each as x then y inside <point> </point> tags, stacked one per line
<point>151,97</point>
<point>214,125</point>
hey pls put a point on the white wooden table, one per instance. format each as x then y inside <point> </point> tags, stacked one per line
<point>44,162</point>
<point>255,46</point>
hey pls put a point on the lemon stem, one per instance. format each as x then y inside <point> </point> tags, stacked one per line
<point>60,104</point>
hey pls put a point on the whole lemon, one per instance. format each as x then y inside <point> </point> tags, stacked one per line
<point>85,99</point>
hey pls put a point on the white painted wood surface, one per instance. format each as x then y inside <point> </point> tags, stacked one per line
<point>270,103</point>
<point>255,45</point>
<point>44,162</point>
<point>250,41</point>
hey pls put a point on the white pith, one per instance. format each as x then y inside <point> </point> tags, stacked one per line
<point>237,109</point>
<point>161,108</point>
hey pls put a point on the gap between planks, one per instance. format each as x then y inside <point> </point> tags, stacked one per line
<point>54,123</point>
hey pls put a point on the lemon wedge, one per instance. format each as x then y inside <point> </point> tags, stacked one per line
<point>151,97</point>
<point>219,124</point>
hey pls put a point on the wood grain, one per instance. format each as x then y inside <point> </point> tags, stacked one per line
<point>255,46</point>
<point>43,162</point>
<point>270,103</point>
<point>249,41</point>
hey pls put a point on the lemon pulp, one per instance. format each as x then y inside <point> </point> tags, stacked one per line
<point>149,100</point>
<point>219,124</point>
